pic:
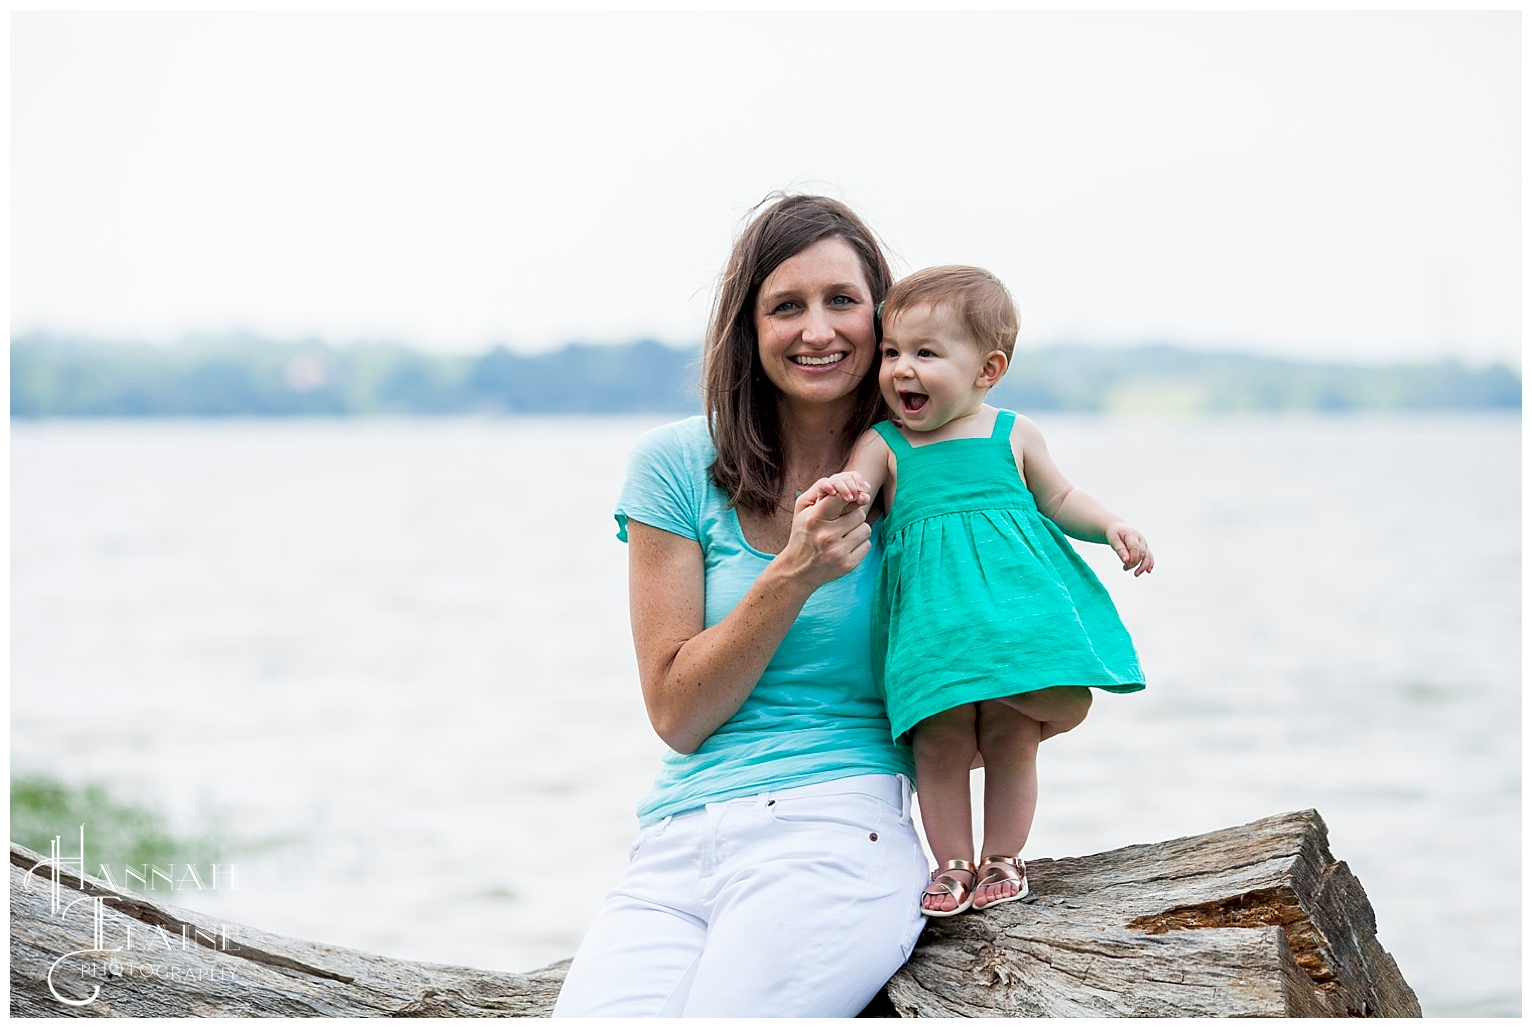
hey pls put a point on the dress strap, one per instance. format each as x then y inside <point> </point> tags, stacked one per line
<point>892,436</point>
<point>1003,421</point>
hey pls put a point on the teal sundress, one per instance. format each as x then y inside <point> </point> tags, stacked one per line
<point>980,596</point>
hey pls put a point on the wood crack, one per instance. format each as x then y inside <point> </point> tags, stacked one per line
<point>1259,908</point>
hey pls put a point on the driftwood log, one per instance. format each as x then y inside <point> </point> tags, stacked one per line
<point>1258,920</point>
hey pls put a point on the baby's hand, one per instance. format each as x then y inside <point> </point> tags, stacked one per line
<point>1131,548</point>
<point>849,486</point>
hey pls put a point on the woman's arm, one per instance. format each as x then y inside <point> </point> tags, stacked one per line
<point>1075,511</point>
<point>695,678</point>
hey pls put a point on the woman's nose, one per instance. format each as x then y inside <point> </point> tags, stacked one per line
<point>817,327</point>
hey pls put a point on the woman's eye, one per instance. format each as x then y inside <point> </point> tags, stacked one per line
<point>842,301</point>
<point>785,305</point>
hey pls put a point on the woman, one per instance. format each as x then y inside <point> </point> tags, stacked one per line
<point>777,871</point>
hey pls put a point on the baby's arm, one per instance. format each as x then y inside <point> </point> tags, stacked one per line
<point>1075,511</point>
<point>867,471</point>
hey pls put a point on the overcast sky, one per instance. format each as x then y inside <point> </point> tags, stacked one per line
<point>1340,185</point>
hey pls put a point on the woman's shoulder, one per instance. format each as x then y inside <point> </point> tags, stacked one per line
<point>686,442</point>
<point>667,484</point>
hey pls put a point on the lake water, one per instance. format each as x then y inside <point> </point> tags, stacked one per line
<point>393,656</point>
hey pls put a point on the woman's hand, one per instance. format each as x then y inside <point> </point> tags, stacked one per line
<point>1131,548</point>
<point>830,534</point>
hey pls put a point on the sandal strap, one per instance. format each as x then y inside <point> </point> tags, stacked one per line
<point>943,875</point>
<point>943,882</point>
<point>1001,868</point>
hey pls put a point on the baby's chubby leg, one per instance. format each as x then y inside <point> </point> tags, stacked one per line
<point>1058,709</point>
<point>945,745</point>
<point>1009,732</point>
<point>1008,741</point>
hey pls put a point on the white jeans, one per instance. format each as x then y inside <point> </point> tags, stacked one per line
<point>796,903</point>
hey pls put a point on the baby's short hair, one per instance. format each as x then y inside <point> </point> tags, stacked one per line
<point>979,298</point>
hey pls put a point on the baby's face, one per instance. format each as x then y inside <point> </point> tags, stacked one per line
<point>930,367</point>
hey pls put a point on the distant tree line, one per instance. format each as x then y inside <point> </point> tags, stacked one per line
<point>1166,378</point>
<point>247,376</point>
<point>53,376</point>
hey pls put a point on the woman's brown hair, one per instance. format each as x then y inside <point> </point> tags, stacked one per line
<point>740,401</point>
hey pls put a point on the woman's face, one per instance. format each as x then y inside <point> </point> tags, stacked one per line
<point>813,324</point>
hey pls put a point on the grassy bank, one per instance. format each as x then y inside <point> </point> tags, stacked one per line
<point>118,831</point>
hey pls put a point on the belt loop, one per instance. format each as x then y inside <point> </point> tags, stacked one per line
<point>763,799</point>
<point>904,800</point>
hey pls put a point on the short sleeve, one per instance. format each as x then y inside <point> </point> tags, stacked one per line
<point>667,473</point>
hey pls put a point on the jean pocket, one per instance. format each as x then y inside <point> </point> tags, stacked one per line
<point>646,833</point>
<point>853,812</point>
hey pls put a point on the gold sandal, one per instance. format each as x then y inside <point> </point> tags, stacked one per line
<point>942,883</point>
<point>994,871</point>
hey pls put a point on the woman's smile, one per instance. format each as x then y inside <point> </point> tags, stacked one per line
<point>811,361</point>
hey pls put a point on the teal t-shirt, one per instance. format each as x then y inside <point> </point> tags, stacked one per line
<point>816,714</point>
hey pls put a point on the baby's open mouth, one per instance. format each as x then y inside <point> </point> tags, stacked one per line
<point>912,403</point>
<point>810,361</point>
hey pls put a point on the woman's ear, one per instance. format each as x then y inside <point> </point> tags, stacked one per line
<point>993,368</point>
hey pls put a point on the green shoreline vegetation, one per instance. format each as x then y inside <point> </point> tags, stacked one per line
<point>119,833</point>
<point>247,376</point>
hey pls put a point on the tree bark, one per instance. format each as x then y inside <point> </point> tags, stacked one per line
<point>1258,920</point>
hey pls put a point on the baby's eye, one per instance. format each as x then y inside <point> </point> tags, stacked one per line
<point>925,352</point>
<point>889,353</point>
